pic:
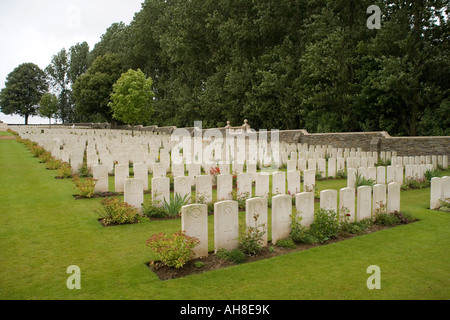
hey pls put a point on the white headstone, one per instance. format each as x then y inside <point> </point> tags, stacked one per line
<point>304,205</point>
<point>364,203</point>
<point>381,175</point>
<point>224,187</point>
<point>141,172</point>
<point>347,202</point>
<point>134,193</point>
<point>161,190</point>
<point>226,225</point>
<point>309,180</point>
<point>203,188</point>
<point>436,193</point>
<point>293,182</point>
<point>100,173</point>
<point>182,187</point>
<point>281,217</point>
<point>194,222</point>
<point>328,200</point>
<point>262,184</point>
<point>121,172</point>
<point>393,198</point>
<point>256,216</point>
<point>279,183</point>
<point>244,185</point>
<point>379,199</point>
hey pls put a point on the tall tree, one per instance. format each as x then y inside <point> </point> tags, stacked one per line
<point>132,98</point>
<point>48,106</point>
<point>92,90</point>
<point>59,80</point>
<point>24,88</point>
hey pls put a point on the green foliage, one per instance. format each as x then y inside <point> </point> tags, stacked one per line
<point>49,105</point>
<point>199,264</point>
<point>23,90</point>
<point>92,90</point>
<point>363,181</point>
<point>415,183</point>
<point>235,256</point>
<point>286,243</point>
<point>433,173</point>
<point>250,238</point>
<point>64,170</point>
<point>116,211</point>
<point>173,250</point>
<point>173,208</point>
<point>325,225</point>
<point>85,187</point>
<point>152,209</point>
<point>132,97</point>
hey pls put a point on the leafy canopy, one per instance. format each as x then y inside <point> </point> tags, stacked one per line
<point>132,97</point>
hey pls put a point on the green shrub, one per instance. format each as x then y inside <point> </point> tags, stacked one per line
<point>116,211</point>
<point>173,250</point>
<point>152,209</point>
<point>85,187</point>
<point>236,256</point>
<point>325,225</point>
<point>53,164</point>
<point>199,264</point>
<point>363,181</point>
<point>64,170</point>
<point>386,219</point>
<point>413,183</point>
<point>174,207</point>
<point>286,243</point>
<point>299,233</point>
<point>433,173</point>
<point>250,238</point>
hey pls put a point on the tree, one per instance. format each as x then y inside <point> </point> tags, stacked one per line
<point>132,97</point>
<point>24,88</point>
<point>49,106</point>
<point>92,90</point>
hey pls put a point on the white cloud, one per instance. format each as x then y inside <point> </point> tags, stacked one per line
<point>34,31</point>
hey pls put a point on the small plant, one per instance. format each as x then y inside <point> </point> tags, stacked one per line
<point>84,170</point>
<point>240,197</point>
<point>199,264</point>
<point>363,181</point>
<point>286,243</point>
<point>45,157</point>
<point>152,209</point>
<point>173,250</point>
<point>64,170</point>
<point>116,211</point>
<point>299,233</point>
<point>430,174</point>
<point>214,172</point>
<point>445,205</point>
<point>53,164</point>
<point>415,183</point>
<point>85,187</point>
<point>250,238</point>
<point>341,174</point>
<point>236,256</point>
<point>174,207</point>
<point>325,225</point>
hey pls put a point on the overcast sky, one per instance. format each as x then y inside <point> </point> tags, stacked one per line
<point>35,30</point>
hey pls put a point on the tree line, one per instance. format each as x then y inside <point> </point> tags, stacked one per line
<point>285,64</point>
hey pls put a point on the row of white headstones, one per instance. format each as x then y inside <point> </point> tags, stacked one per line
<point>360,203</point>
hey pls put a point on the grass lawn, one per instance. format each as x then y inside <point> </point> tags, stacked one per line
<point>44,230</point>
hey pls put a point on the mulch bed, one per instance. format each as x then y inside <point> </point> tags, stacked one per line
<point>213,263</point>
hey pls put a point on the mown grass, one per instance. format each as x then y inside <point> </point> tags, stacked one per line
<point>44,230</point>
